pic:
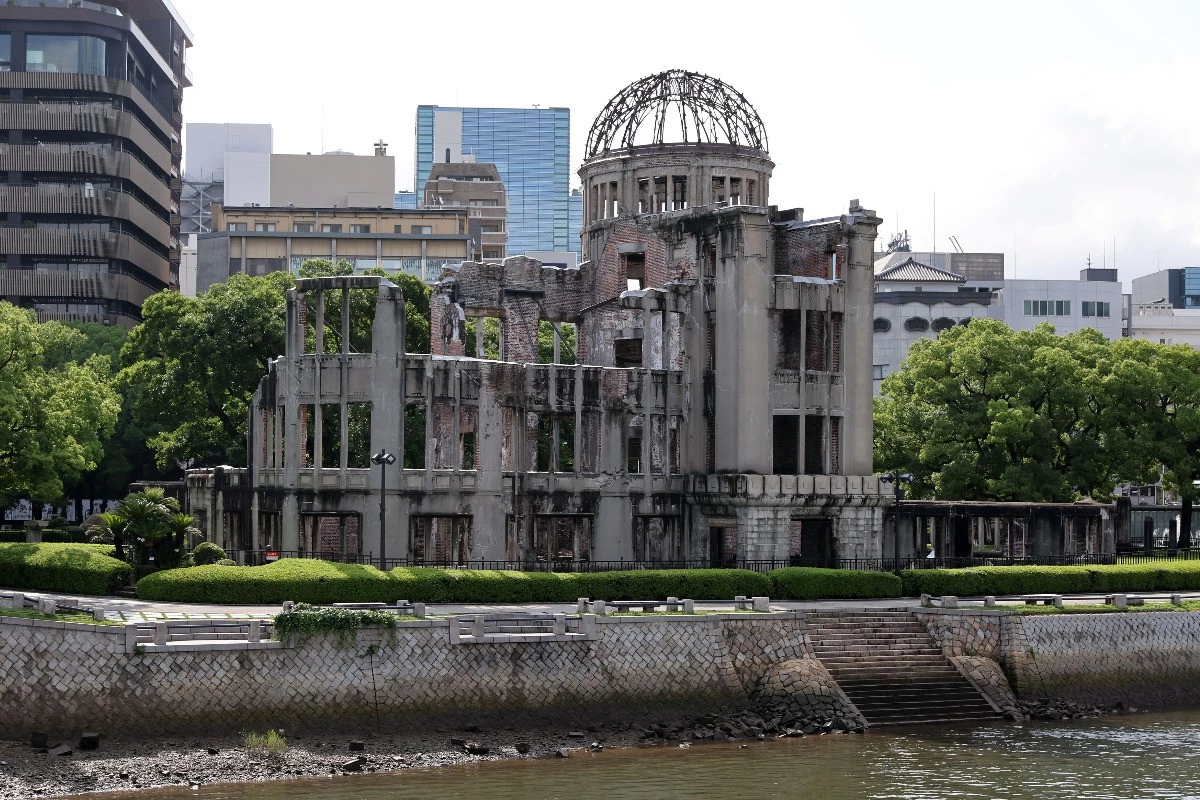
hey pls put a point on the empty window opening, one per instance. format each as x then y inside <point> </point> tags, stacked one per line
<point>791,331</point>
<point>678,192</point>
<point>835,445</point>
<point>814,444</point>
<point>786,444</point>
<point>306,435</point>
<point>752,192</point>
<point>358,435</point>
<point>656,540</point>
<point>331,435</point>
<point>735,191</point>
<point>562,537</point>
<point>722,546</point>
<point>556,342</point>
<point>486,346</point>
<point>634,455</point>
<point>330,535</point>
<point>627,352</point>
<point>718,189</point>
<point>835,341</point>
<point>673,447</point>
<point>545,443</point>
<point>816,342</point>
<point>415,426</point>
<point>635,271</point>
<point>466,446</point>
<point>439,540</point>
<point>566,443</point>
<point>643,202</point>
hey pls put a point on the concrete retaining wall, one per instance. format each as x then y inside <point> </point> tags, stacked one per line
<point>59,675</point>
<point>1148,659</point>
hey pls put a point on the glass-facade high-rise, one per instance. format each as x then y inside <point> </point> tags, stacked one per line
<point>531,149</point>
<point>575,217</point>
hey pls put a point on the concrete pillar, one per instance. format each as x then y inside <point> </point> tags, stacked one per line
<point>857,333</point>
<point>744,281</point>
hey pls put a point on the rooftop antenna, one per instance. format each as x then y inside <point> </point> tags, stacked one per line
<point>934,228</point>
<point>954,241</point>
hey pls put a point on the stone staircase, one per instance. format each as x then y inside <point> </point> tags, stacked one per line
<point>891,669</point>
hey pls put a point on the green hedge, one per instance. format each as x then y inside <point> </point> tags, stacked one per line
<point>807,583</point>
<point>975,581</point>
<point>72,568</point>
<point>313,581</point>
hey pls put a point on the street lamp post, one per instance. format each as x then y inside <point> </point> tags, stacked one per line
<point>896,479</point>
<point>384,459</point>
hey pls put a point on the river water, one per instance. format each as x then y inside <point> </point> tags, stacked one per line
<point>1122,757</point>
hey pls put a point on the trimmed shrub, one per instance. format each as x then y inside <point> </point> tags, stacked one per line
<point>12,536</point>
<point>72,568</point>
<point>320,582</point>
<point>807,583</point>
<point>64,535</point>
<point>975,581</point>
<point>207,553</point>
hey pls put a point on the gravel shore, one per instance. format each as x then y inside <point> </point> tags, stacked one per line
<point>127,763</point>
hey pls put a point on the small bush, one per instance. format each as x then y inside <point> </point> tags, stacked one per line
<point>207,553</point>
<point>71,568</point>
<point>271,742</point>
<point>806,583</point>
<point>305,621</point>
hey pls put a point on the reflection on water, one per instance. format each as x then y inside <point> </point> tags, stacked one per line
<point>1140,756</point>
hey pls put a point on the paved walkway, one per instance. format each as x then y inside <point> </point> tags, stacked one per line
<point>119,608</point>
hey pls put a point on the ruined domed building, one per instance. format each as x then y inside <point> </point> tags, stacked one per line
<point>698,390</point>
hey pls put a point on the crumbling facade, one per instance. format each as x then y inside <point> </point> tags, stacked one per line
<point>698,391</point>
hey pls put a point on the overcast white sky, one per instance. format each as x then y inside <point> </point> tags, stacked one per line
<point>1047,129</point>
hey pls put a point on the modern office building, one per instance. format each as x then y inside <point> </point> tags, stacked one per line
<point>478,189</point>
<point>90,166</point>
<point>531,149</point>
<point>1162,323</point>
<point>211,151</point>
<point>575,220</point>
<point>1178,288</point>
<point>1093,301</point>
<point>914,300</point>
<point>258,240</point>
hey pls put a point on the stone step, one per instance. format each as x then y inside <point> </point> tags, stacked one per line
<point>884,659</point>
<point>876,647</point>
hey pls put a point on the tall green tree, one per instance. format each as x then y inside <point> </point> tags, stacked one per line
<point>191,367</point>
<point>987,413</point>
<point>54,412</point>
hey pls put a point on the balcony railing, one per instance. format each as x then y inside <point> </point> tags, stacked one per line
<point>97,117</point>
<point>84,242</point>
<point>48,198</point>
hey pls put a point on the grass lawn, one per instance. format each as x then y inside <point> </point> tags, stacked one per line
<point>1096,608</point>
<point>29,613</point>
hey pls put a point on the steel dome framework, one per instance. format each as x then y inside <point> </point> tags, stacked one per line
<point>708,111</point>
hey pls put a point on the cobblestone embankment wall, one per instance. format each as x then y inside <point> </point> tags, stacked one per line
<point>63,676</point>
<point>1148,659</point>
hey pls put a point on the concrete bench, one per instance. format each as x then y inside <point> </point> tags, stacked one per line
<point>647,606</point>
<point>1045,599</point>
<point>1124,600</point>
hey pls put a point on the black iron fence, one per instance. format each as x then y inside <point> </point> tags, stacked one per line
<point>259,557</point>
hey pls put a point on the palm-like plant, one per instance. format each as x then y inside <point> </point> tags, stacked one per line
<point>149,520</point>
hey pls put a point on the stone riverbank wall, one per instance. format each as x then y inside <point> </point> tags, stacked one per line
<point>1147,659</point>
<point>67,676</point>
<point>63,676</point>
